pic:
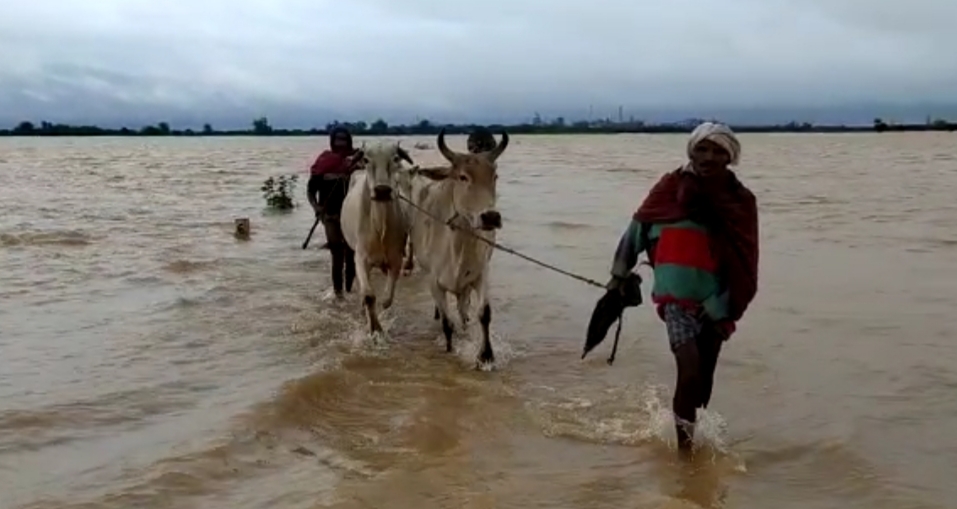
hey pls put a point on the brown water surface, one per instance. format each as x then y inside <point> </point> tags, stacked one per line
<point>151,360</point>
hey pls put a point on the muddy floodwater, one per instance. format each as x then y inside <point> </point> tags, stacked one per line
<point>148,359</point>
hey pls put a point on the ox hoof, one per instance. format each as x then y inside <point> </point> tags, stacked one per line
<point>486,357</point>
<point>447,331</point>
<point>387,303</point>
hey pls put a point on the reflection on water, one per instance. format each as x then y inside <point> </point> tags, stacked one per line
<point>152,360</point>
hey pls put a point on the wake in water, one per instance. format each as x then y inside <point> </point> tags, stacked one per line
<point>627,416</point>
<point>640,417</point>
<point>56,238</point>
<point>467,340</point>
<point>400,324</point>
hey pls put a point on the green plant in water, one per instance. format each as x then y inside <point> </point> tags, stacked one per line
<point>278,192</point>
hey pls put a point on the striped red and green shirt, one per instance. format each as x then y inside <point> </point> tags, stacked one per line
<point>685,268</point>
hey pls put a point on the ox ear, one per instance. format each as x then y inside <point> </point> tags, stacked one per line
<point>404,155</point>
<point>437,173</point>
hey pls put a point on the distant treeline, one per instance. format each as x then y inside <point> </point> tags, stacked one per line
<point>262,127</point>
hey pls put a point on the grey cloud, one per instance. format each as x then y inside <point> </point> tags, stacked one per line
<point>929,20</point>
<point>495,59</point>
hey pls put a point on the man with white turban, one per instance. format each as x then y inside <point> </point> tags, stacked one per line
<point>699,228</point>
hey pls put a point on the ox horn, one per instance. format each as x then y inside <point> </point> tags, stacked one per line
<point>403,154</point>
<point>499,148</point>
<point>447,153</point>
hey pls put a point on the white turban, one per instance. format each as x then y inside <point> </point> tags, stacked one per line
<point>717,133</point>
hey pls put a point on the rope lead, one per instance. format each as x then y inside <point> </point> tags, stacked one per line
<point>508,250</point>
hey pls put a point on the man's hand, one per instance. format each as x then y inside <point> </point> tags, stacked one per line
<point>319,211</point>
<point>724,329</point>
<point>355,159</point>
<point>628,289</point>
<point>615,283</point>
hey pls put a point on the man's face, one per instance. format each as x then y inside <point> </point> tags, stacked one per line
<point>476,144</point>
<point>710,158</point>
<point>340,141</point>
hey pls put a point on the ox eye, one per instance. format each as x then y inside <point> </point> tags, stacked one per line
<point>463,178</point>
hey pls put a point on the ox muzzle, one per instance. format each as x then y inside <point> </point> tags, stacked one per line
<point>382,193</point>
<point>490,220</point>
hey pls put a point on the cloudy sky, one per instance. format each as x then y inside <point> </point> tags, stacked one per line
<point>306,62</point>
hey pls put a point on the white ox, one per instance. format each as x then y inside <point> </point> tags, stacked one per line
<point>454,204</point>
<point>374,224</point>
<point>405,189</point>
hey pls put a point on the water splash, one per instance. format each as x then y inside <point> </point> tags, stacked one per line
<point>625,415</point>
<point>329,295</point>
<point>467,344</point>
<point>362,339</point>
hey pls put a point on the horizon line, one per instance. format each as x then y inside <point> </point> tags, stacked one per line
<point>262,127</point>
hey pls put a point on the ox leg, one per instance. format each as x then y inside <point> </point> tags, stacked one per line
<point>441,308</point>
<point>368,293</point>
<point>390,285</point>
<point>350,256</point>
<point>464,303</point>
<point>369,302</point>
<point>409,265</point>
<point>486,356</point>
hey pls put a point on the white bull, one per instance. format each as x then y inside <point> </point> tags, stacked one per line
<point>374,225</point>
<point>405,188</point>
<point>456,203</point>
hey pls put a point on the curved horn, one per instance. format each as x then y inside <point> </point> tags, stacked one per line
<point>444,149</point>
<point>500,148</point>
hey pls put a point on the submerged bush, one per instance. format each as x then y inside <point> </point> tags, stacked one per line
<point>278,192</point>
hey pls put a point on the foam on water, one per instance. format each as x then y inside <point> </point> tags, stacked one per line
<point>328,295</point>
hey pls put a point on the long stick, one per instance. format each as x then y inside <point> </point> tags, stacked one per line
<point>311,231</point>
<point>614,347</point>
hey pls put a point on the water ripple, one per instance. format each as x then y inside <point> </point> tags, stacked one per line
<point>152,360</point>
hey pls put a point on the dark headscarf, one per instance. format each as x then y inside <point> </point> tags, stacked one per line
<point>483,139</point>
<point>332,137</point>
